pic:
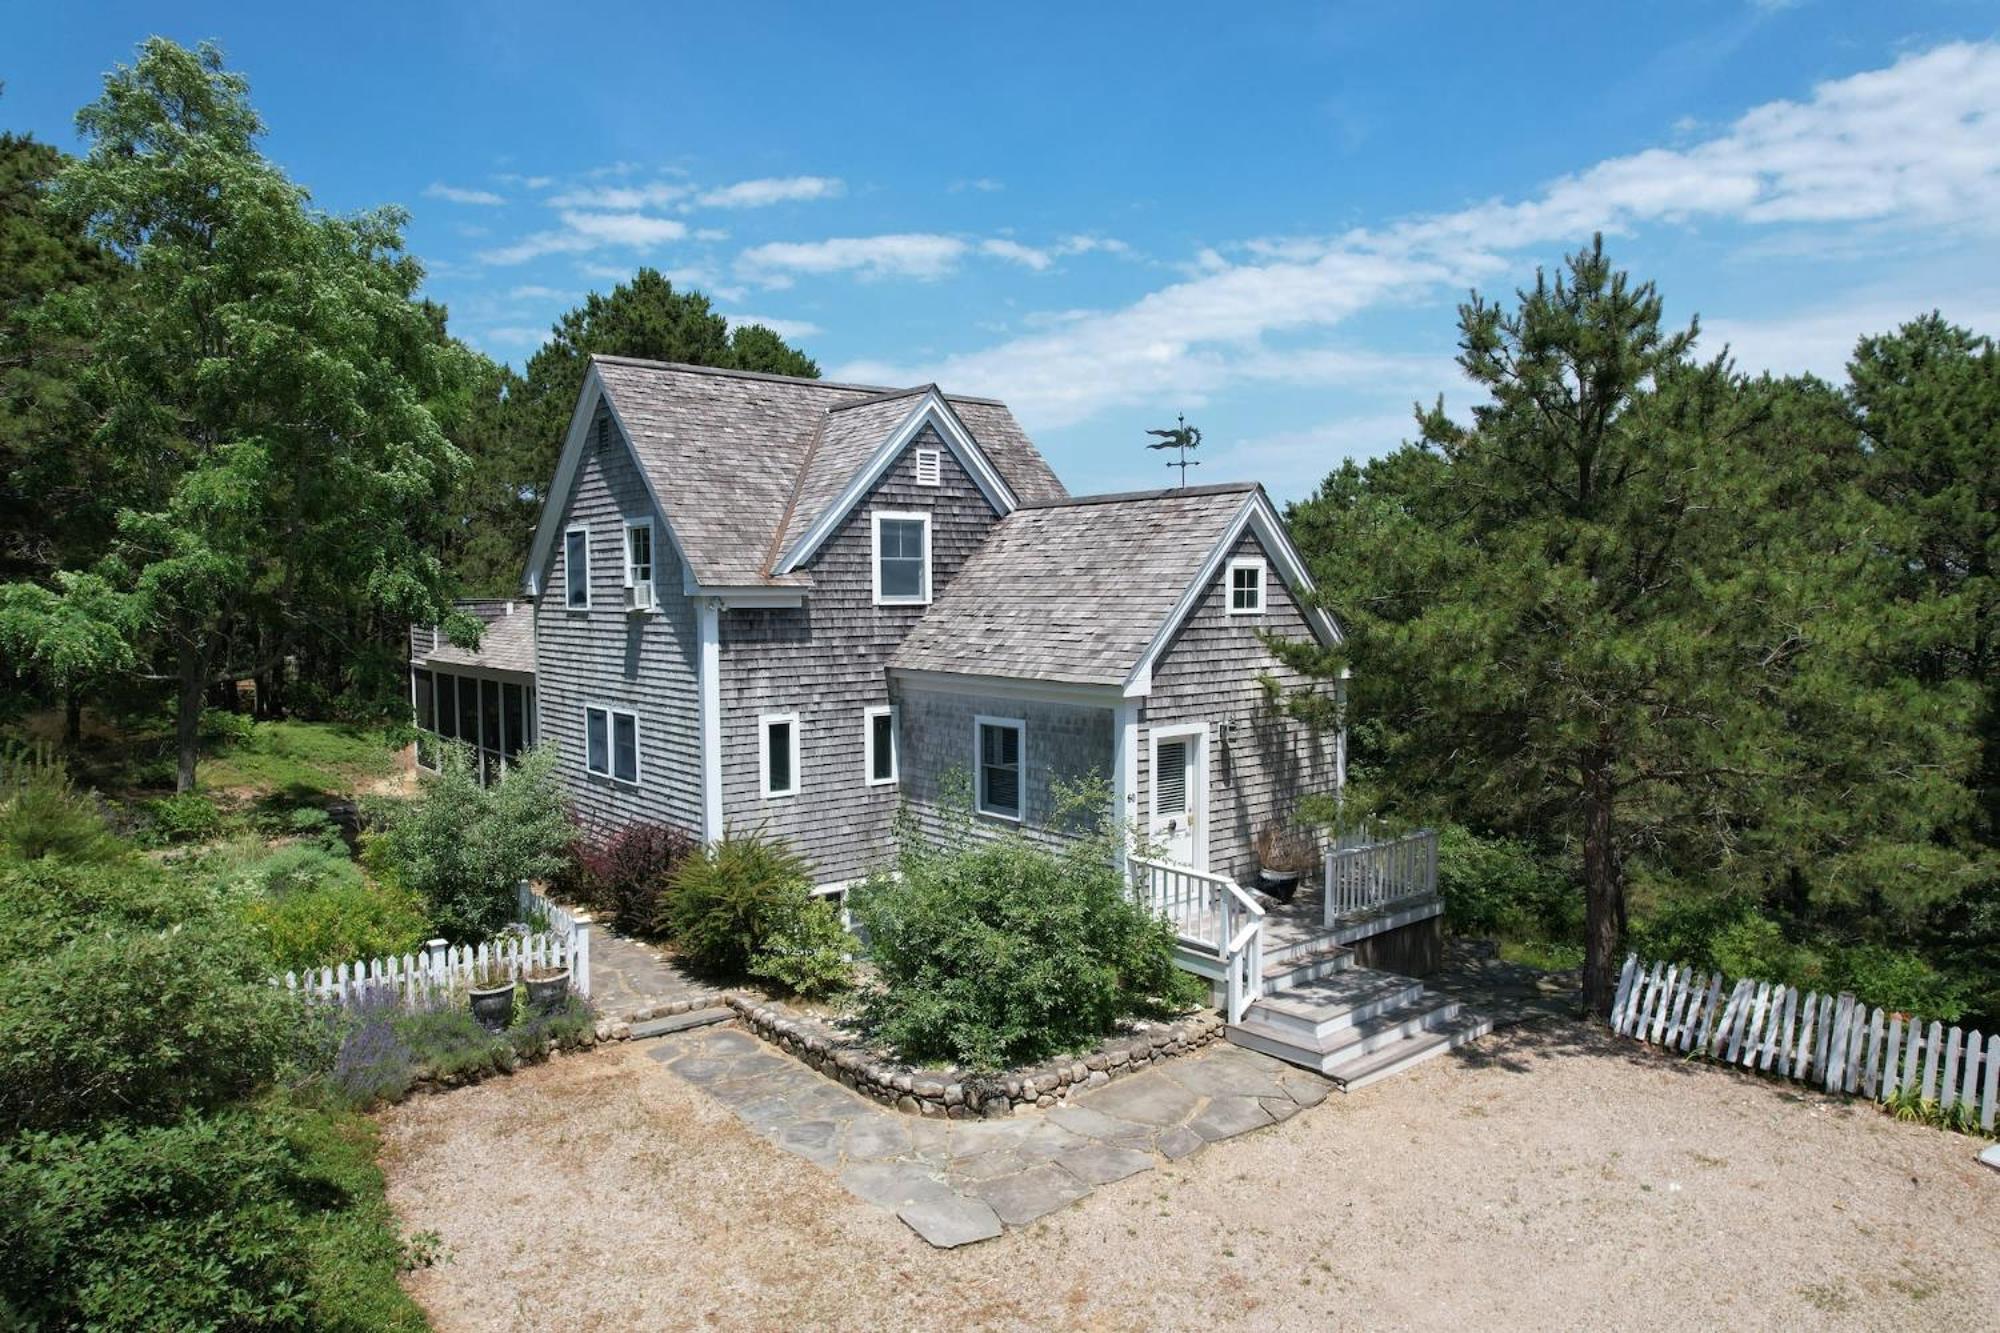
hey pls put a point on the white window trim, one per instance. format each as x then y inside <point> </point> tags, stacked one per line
<point>610,769</point>
<point>868,717</point>
<point>930,461</point>
<point>764,724</point>
<point>1020,728</point>
<point>568,605</point>
<point>652,549</point>
<point>875,521</point>
<point>1263,585</point>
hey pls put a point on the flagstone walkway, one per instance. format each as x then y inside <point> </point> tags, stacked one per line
<point>959,1181</point>
<point>628,975</point>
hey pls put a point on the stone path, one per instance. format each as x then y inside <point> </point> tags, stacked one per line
<point>959,1181</point>
<point>626,974</point>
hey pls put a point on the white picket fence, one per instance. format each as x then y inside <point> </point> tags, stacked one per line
<point>442,967</point>
<point>1829,1041</point>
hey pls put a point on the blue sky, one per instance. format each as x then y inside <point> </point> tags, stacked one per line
<point>1107,215</point>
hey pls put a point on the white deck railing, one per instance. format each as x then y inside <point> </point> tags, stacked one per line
<point>1211,914</point>
<point>1373,875</point>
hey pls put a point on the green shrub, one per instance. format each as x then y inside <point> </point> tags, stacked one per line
<point>1000,953</point>
<point>186,816</point>
<point>336,920</point>
<point>265,1217</point>
<point>727,900</point>
<point>806,952</point>
<point>45,904</point>
<point>1499,887</point>
<point>464,847</point>
<point>130,1022</point>
<point>43,815</point>
<point>379,1048</point>
<point>626,876</point>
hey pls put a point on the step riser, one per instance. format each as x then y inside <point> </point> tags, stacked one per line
<point>1304,972</point>
<point>1311,1028</point>
<point>1425,1049</point>
<point>1329,1061</point>
<point>1281,953</point>
<point>1416,1026</point>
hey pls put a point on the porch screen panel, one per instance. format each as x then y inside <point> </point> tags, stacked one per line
<point>517,721</point>
<point>426,704</point>
<point>468,710</point>
<point>489,713</point>
<point>447,705</point>
<point>1170,781</point>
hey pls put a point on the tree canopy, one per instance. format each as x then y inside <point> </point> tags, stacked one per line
<point>1650,615</point>
<point>265,380</point>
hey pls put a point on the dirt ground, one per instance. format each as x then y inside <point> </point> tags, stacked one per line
<point>1548,1177</point>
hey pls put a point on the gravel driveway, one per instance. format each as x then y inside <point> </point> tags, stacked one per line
<point>1547,1177</point>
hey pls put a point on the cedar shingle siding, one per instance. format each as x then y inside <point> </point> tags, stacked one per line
<point>648,664</point>
<point>824,661</point>
<point>1066,742</point>
<point>1209,673</point>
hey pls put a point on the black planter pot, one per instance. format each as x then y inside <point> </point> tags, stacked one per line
<point>545,994</point>
<point>1279,884</point>
<point>493,1006</point>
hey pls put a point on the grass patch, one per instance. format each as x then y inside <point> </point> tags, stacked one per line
<point>283,757</point>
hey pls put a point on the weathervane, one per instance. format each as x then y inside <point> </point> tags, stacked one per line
<point>1182,437</point>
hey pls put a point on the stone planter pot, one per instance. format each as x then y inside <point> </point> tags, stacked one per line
<point>1279,884</point>
<point>493,1006</point>
<point>547,990</point>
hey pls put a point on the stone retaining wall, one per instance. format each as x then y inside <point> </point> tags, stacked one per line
<point>954,1094</point>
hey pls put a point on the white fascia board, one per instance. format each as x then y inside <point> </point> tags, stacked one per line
<point>1256,516</point>
<point>1010,687</point>
<point>931,410</point>
<point>547,528</point>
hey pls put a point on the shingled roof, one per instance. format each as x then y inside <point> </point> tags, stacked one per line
<point>1075,590</point>
<point>507,645</point>
<point>738,459</point>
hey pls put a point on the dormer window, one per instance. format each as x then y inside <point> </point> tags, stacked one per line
<point>1246,587</point>
<point>902,559</point>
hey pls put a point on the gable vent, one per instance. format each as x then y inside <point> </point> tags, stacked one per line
<point>929,471</point>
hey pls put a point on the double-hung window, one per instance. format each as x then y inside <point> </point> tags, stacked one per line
<point>638,553</point>
<point>998,742</point>
<point>611,743</point>
<point>1246,587</point>
<point>778,754</point>
<point>902,558</point>
<point>879,737</point>
<point>576,569</point>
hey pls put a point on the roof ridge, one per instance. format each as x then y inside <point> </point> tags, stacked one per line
<point>803,381</point>
<point>886,396</point>
<point>1127,497</point>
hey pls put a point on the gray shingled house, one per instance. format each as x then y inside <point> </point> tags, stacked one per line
<point>762,602</point>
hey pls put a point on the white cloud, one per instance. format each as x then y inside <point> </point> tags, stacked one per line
<point>515,335</point>
<point>1290,463</point>
<point>983,184</point>
<point>453,194</point>
<point>1821,339</point>
<point>590,231</point>
<point>710,234</point>
<point>535,292</point>
<point>1915,145</point>
<point>621,197</point>
<point>771,190</point>
<point>525,182</point>
<point>903,255</point>
<point>787,329</point>
<point>1016,253</point>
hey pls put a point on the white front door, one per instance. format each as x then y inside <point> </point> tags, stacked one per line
<point>1179,806</point>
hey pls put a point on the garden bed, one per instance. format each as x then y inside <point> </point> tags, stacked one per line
<point>839,1053</point>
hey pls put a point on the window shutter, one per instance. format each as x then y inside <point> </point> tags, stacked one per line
<point>1170,781</point>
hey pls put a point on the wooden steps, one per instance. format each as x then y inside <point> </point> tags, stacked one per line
<point>1353,1024</point>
